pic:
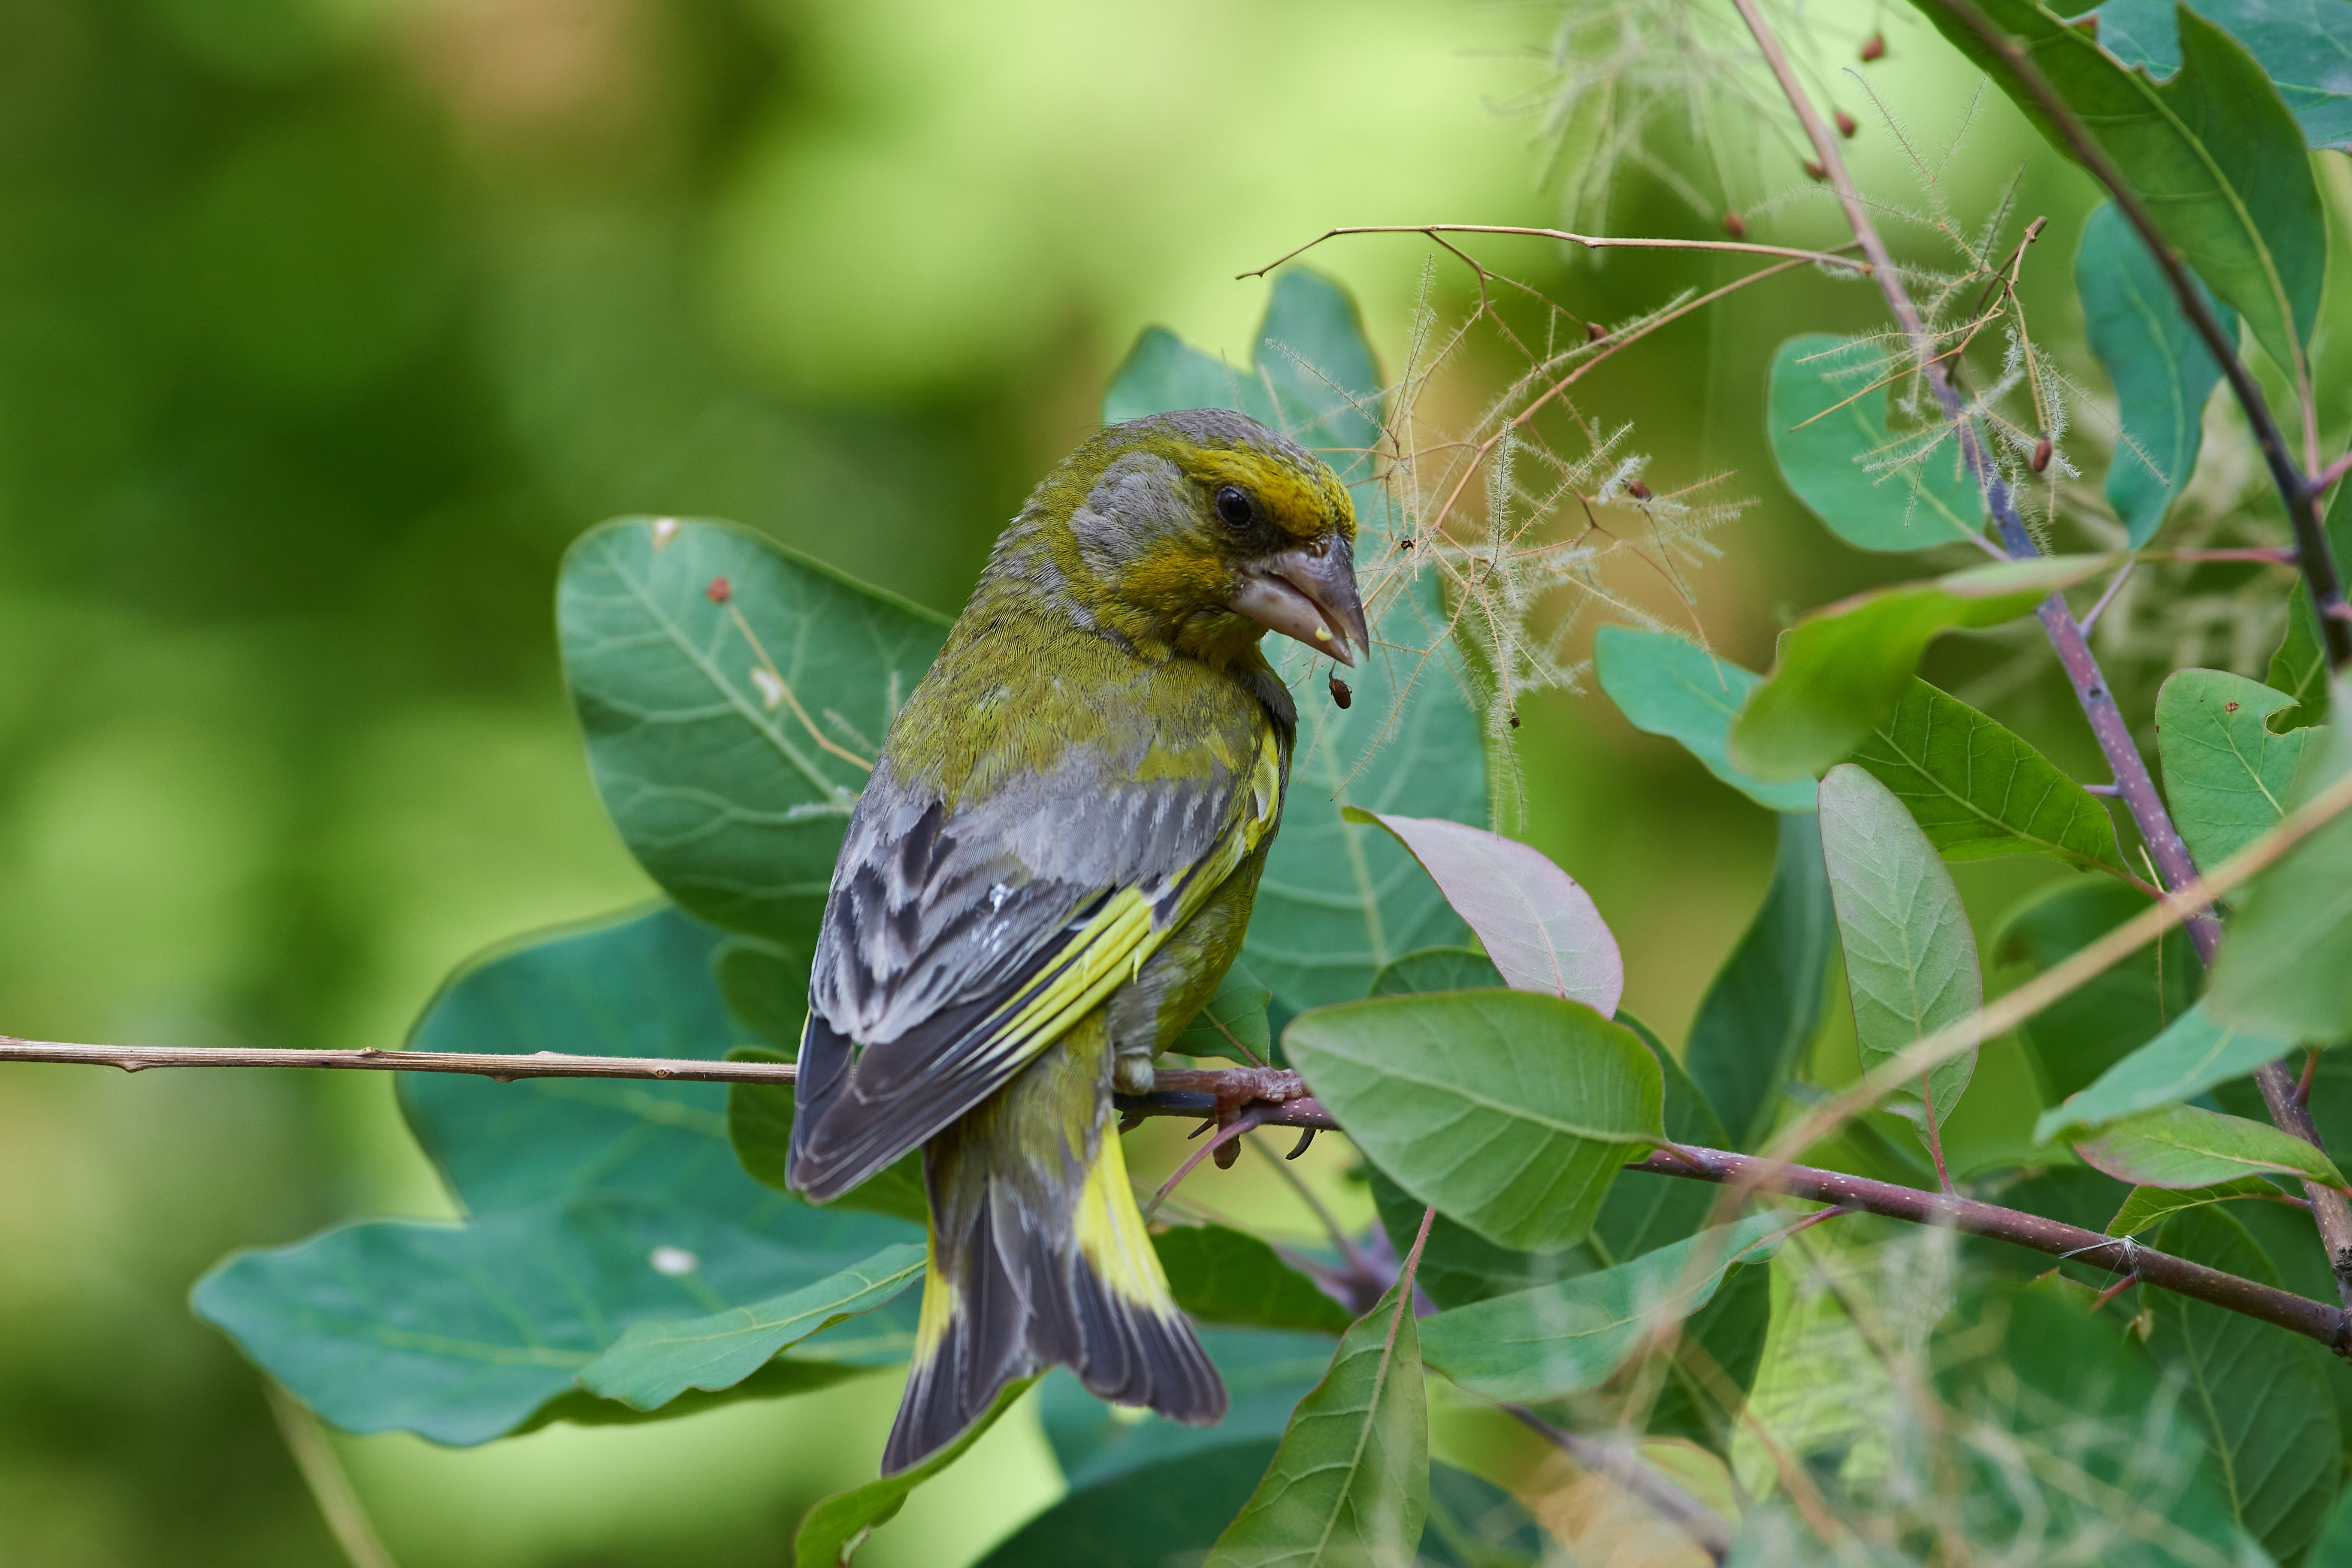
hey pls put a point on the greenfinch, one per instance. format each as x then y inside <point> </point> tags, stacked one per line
<point>1046,878</point>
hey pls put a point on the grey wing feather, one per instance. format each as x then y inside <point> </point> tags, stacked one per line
<point>936,920</point>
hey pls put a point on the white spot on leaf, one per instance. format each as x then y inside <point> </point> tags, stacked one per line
<point>674,1261</point>
<point>772,691</point>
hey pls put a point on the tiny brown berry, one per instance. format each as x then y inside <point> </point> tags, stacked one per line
<point>1637,490</point>
<point>1873,47</point>
<point>2089,24</point>
<point>1814,170</point>
<point>720,590</point>
<point>1594,332</point>
<point>1846,127</point>
<point>1404,544</point>
<point>1735,225</point>
<point>1515,721</point>
<point>2229,708</point>
<point>2042,453</point>
<point>1340,694</point>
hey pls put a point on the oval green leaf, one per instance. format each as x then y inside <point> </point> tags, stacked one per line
<point>2226,776</point>
<point>1221,1275</point>
<point>2286,967</point>
<point>2183,1146</point>
<point>1979,789</point>
<point>2161,369</point>
<point>1509,1111</point>
<point>1762,1008</point>
<point>656,1361</point>
<point>1667,686</point>
<point>1349,1488</point>
<point>1844,667</point>
<point>1910,957</point>
<point>1556,1340</point>
<point>729,690</point>
<point>1827,419</point>
<point>2192,1056</point>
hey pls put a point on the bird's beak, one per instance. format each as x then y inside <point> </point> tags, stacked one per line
<point>1309,594</point>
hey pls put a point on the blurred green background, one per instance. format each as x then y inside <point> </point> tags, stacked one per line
<point>324,326</point>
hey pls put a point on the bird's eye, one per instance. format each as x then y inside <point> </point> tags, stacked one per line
<point>1233,507</point>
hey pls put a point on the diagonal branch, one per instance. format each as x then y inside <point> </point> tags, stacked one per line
<point>2134,783</point>
<point>2301,493</point>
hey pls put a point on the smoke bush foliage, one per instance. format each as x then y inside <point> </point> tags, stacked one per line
<point>1719,1374</point>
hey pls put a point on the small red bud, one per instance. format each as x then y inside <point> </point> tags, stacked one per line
<point>1594,332</point>
<point>2089,24</point>
<point>1340,694</point>
<point>1873,47</point>
<point>1814,170</point>
<point>720,590</point>
<point>2042,453</point>
<point>1735,225</point>
<point>1637,490</point>
<point>1846,127</point>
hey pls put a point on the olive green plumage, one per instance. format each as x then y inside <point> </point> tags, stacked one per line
<point>1048,876</point>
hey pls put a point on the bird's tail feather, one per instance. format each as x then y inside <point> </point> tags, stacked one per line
<point>1041,1259</point>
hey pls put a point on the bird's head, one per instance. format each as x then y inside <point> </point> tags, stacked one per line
<point>1198,531</point>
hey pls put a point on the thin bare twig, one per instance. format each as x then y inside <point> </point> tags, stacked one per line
<point>1590,242</point>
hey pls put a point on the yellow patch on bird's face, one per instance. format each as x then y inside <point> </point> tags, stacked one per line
<point>1301,503</point>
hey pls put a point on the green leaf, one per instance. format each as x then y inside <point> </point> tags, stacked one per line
<point>656,1361</point>
<point>1556,1340</point>
<point>760,1126</point>
<point>594,1204</point>
<point>2147,1208</point>
<point>1827,421</point>
<point>2253,1392</point>
<point>1437,969</point>
<point>1910,957</point>
<point>835,1527</point>
<point>1667,686</point>
<point>1233,1025</point>
<point>1507,1110</point>
<point>1142,1518</point>
<point>1350,1486</point>
<point>1762,1008</point>
<point>2182,1146</point>
<point>1223,1275</point>
<point>1172,1511</point>
<point>2161,369</point>
<point>2226,776</point>
<point>2083,1034</point>
<point>1979,789</point>
<point>2301,45</point>
<point>1266,1374</point>
<point>2180,1064</point>
<point>2286,967</point>
<point>460,1333</point>
<point>1541,931</point>
<point>731,799</point>
<point>2334,1547</point>
<point>2214,151</point>
<point>1338,901</point>
<point>1458,1266</point>
<point>1844,667</point>
<point>2032,1362</point>
<point>2299,667</point>
<point>765,986</point>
